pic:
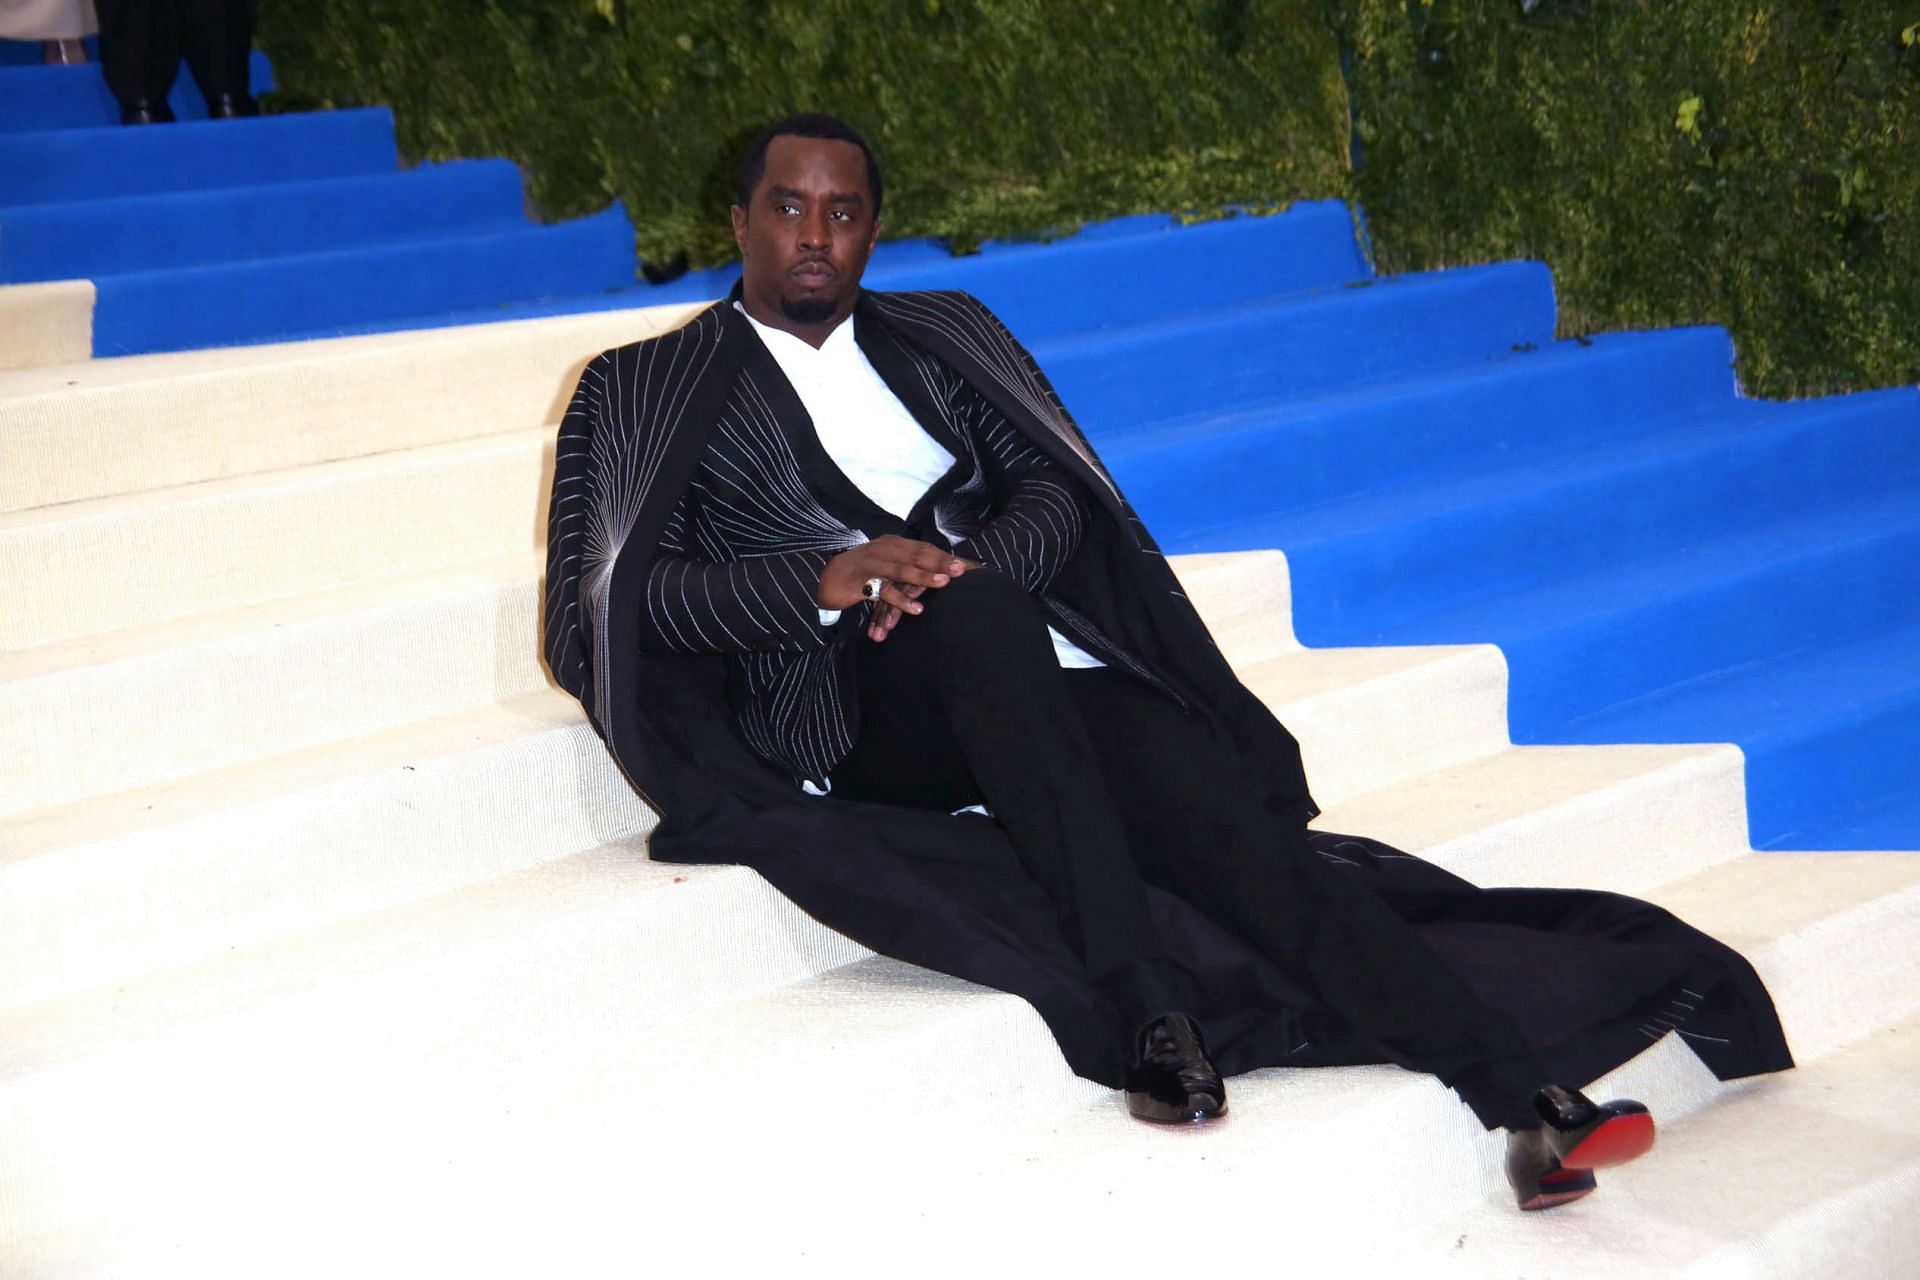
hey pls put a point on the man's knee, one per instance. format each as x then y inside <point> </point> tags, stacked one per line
<point>982,602</point>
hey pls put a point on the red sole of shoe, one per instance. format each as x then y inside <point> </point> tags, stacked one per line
<point>1619,1140</point>
<point>1561,1186</point>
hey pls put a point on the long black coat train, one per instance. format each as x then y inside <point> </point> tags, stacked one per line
<point>1590,978</point>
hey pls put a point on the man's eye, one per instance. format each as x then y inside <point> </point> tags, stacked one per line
<point>786,207</point>
<point>842,215</point>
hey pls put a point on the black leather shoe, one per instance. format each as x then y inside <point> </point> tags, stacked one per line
<point>1554,1164</point>
<point>146,111</point>
<point>231,106</point>
<point>1171,1081</point>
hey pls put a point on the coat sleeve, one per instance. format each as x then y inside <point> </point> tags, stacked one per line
<point>696,605</point>
<point>1039,526</point>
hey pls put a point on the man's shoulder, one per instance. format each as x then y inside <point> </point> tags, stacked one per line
<point>922,301</point>
<point>694,332</point>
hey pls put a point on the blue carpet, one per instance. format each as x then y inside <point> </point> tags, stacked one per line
<point>89,238</point>
<point>113,161</point>
<point>34,97</point>
<point>1660,558</point>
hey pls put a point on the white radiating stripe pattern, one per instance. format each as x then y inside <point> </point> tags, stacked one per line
<point>599,497</point>
<point>964,321</point>
<point>740,564</point>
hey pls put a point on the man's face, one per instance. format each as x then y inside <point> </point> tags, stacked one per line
<point>805,237</point>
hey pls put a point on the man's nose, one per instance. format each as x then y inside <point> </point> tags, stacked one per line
<point>813,230</point>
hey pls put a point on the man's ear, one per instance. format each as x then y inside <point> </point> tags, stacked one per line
<point>740,228</point>
<point>873,237</point>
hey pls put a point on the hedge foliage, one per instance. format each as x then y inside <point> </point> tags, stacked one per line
<point>1749,164</point>
<point>991,117</point>
<point>1728,161</point>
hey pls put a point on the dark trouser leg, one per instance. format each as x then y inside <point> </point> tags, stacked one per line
<point>967,703</point>
<point>1197,830</point>
<point>139,48</point>
<point>218,35</point>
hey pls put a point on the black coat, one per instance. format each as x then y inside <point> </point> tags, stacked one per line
<point>949,892</point>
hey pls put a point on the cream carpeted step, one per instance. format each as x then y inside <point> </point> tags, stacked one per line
<point>155,704</point>
<point>485,794</point>
<point>181,873</point>
<point>83,568</point>
<point>106,427</point>
<point>94,566</point>
<point>792,1103</point>
<point>149,705</point>
<point>48,323</point>
<point>1629,816</point>
<point>1832,933</point>
<point>1814,1173</point>
<point>1368,717</point>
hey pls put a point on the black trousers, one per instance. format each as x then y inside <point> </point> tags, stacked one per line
<point>142,42</point>
<point>1104,786</point>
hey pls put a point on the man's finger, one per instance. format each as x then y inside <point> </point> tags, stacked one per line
<point>897,600</point>
<point>909,572</point>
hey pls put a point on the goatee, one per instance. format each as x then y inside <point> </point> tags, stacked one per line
<point>807,311</point>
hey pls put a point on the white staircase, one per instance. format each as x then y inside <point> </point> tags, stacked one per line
<point>328,942</point>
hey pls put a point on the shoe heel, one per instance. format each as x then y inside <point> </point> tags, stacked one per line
<point>1555,1187</point>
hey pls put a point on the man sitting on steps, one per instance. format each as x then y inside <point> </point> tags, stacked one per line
<point>853,603</point>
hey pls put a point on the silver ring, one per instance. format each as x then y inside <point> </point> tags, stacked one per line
<point>870,589</point>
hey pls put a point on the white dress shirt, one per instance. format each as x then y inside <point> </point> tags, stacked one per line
<point>869,434</point>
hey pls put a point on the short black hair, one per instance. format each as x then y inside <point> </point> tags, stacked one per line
<point>806,124</point>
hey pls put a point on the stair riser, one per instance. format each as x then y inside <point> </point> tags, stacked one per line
<point>85,569</point>
<point>1093,281</point>
<point>1847,976</point>
<point>1299,347</point>
<point>113,162</point>
<point>1379,732</point>
<point>1857,1233</point>
<point>45,324</point>
<point>471,1009</point>
<point>175,1127</point>
<point>34,99</point>
<point>623,950</point>
<point>114,726</point>
<point>1760,613</point>
<point>1821,768</point>
<point>1199,485</point>
<point>1558,529</point>
<point>192,890</point>
<point>86,239</point>
<point>324,401</point>
<point>1631,837</point>
<point>91,730</point>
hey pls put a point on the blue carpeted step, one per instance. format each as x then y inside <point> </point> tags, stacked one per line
<point>1830,733</point>
<point>92,238</point>
<point>1581,645</point>
<point>107,163</point>
<point>1297,344</point>
<point>1091,282</point>
<point>275,298</point>
<point>1894,823</point>
<point>76,97</point>
<point>1213,263</point>
<point>1221,481</point>
<point>1393,556</point>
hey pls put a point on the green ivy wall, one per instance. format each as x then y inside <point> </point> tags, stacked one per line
<point>1674,161</point>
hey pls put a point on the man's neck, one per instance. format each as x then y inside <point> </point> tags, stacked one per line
<point>814,335</point>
